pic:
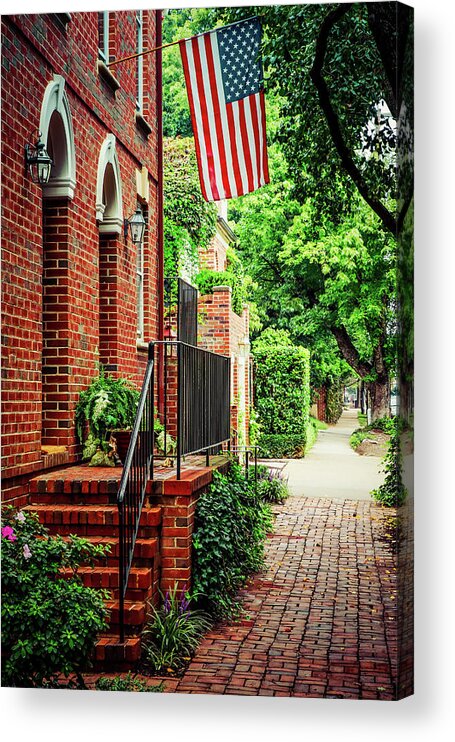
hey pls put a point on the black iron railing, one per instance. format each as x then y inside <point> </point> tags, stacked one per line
<point>180,309</point>
<point>196,403</point>
<point>136,473</point>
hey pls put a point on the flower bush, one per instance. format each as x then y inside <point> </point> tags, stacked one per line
<point>231,524</point>
<point>173,632</point>
<point>49,624</point>
<point>272,487</point>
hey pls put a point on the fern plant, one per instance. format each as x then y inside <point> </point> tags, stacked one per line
<point>107,404</point>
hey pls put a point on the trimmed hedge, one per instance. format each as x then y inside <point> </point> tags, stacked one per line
<point>282,394</point>
<point>282,446</point>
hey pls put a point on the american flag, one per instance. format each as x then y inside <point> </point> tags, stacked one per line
<point>224,82</point>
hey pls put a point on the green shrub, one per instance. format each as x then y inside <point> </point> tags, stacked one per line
<point>49,624</point>
<point>334,401</point>
<point>273,487</point>
<point>282,393</point>
<point>173,632</point>
<point>392,492</point>
<point>127,683</point>
<point>231,524</point>
<point>206,280</point>
<point>282,446</point>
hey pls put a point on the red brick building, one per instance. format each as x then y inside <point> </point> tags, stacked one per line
<point>76,290</point>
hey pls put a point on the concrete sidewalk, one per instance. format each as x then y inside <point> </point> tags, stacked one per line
<point>332,469</point>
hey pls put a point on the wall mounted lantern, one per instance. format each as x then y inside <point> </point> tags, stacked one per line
<point>136,224</point>
<point>38,161</point>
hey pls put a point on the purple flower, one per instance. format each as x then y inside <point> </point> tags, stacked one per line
<point>20,517</point>
<point>8,533</point>
<point>26,551</point>
<point>166,604</point>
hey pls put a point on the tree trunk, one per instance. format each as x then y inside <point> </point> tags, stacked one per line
<point>380,398</point>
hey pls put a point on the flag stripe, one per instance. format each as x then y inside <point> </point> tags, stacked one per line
<point>246,145</point>
<point>265,163</point>
<point>229,164</point>
<point>235,158</point>
<point>208,39</point>
<point>205,121</point>
<point>257,144</point>
<point>194,117</point>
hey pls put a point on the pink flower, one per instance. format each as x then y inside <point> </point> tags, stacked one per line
<point>8,533</point>
<point>20,516</point>
<point>26,551</point>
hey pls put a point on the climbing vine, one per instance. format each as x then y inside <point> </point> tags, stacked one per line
<point>189,221</point>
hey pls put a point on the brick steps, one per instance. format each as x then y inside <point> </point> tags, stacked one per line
<point>107,577</point>
<point>76,502</point>
<point>110,653</point>
<point>145,550</point>
<point>91,520</point>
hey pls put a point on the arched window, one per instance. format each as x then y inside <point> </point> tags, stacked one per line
<point>57,131</point>
<point>109,209</point>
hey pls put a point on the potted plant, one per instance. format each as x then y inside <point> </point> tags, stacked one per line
<point>106,407</point>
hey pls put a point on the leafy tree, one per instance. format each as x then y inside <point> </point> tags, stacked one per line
<point>333,65</point>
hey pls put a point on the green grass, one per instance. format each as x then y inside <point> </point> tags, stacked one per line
<point>318,424</point>
<point>361,418</point>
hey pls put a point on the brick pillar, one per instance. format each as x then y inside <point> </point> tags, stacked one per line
<point>56,325</point>
<point>178,500</point>
<point>108,319</point>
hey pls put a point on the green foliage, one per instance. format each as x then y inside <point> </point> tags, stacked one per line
<point>356,82</point>
<point>272,487</point>
<point>173,632</point>
<point>127,683</point>
<point>207,279</point>
<point>255,427</point>
<point>49,624</point>
<point>282,392</point>
<point>189,221</point>
<point>334,401</point>
<point>107,404</point>
<point>392,492</point>
<point>231,523</point>
<point>287,446</point>
<point>386,424</point>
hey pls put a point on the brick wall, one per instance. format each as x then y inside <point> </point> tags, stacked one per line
<point>69,292</point>
<point>223,331</point>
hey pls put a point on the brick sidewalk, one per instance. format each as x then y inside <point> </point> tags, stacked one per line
<point>322,616</point>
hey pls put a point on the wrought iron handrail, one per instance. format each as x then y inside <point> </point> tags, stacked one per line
<point>136,473</point>
<point>202,385</point>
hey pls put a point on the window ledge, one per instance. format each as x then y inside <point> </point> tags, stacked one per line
<point>105,73</point>
<point>142,124</point>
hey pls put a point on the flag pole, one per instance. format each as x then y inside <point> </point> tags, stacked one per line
<point>173,43</point>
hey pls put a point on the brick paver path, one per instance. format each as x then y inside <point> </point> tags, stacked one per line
<point>321,617</point>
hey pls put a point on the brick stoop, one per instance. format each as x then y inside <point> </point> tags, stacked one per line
<point>81,501</point>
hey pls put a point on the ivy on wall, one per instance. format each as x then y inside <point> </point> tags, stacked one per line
<point>282,392</point>
<point>189,221</point>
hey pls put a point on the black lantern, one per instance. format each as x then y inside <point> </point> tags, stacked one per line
<point>38,161</point>
<point>136,223</point>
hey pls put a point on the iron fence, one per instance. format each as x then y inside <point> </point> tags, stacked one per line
<point>196,403</point>
<point>180,305</point>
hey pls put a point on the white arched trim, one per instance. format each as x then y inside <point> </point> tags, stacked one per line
<point>109,204</point>
<point>63,182</point>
